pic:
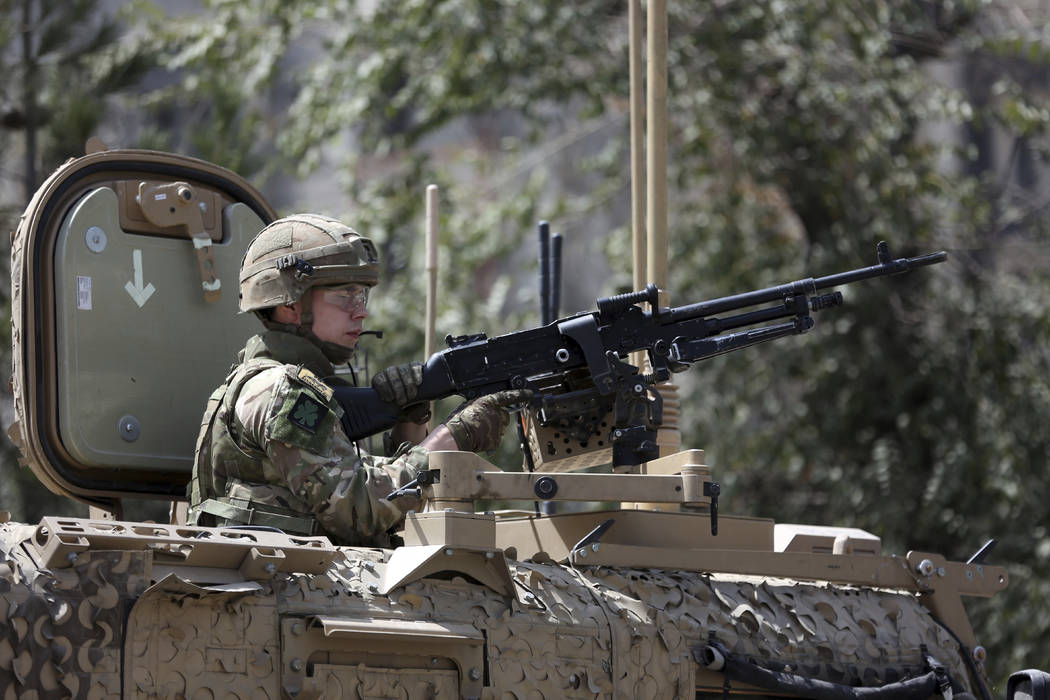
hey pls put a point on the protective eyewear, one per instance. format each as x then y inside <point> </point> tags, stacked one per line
<point>349,299</point>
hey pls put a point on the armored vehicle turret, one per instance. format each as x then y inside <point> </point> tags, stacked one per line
<point>124,301</point>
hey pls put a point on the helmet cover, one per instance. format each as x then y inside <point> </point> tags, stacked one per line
<point>302,251</point>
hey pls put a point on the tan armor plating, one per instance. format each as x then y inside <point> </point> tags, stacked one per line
<point>589,632</point>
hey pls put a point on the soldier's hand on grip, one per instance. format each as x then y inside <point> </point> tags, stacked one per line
<point>399,385</point>
<point>478,425</point>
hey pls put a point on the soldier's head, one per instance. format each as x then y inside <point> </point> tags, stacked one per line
<point>310,275</point>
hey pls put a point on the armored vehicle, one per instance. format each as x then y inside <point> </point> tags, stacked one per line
<point>124,299</point>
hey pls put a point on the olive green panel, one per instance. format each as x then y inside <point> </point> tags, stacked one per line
<point>139,350</point>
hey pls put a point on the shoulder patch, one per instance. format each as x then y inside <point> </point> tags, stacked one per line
<point>301,420</point>
<point>307,413</point>
<point>314,382</point>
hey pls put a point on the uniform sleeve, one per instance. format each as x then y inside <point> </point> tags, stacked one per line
<point>310,455</point>
<point>254,403</point>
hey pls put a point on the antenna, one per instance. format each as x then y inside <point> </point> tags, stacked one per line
<point>545,270</point>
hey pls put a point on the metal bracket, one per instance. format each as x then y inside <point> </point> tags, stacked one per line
<point>486,566</point>
<point>465,477</point>
<point>316,647</point>
<point>584,330</point>
<point>176,205</point>
<point>215,554</point>
<point>941,584</point>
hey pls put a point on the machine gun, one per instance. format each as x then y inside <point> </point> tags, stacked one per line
<point>576,365</point>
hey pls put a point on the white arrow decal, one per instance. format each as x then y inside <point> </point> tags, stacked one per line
<point>139,294</point>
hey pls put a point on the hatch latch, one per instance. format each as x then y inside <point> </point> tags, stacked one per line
<point>175,204</point>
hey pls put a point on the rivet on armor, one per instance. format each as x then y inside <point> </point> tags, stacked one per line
<point>128,428</point>
<point>95,238</point>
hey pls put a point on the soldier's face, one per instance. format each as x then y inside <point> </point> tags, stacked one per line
<point>339,314</point>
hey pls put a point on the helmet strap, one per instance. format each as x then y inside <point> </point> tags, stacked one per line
<point>306,315</point>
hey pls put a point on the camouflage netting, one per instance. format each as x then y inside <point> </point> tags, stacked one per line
<point>619,633</point>
<point>62,632</point>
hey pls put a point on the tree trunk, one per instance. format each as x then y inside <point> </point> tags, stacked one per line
<point>29,86</point>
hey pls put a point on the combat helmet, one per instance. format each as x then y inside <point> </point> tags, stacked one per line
<point>301,251</point>
<point>295,254</point>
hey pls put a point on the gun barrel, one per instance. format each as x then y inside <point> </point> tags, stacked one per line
<point>894,267</point>
<point>806,287</point>
<point>739,301</point>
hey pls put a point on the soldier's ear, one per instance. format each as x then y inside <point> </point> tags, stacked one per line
<point>288,313</point>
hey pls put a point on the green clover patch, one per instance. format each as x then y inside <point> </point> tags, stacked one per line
<point>307,413</point>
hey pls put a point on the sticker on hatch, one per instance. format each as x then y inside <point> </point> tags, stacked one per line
<point>84,293</point>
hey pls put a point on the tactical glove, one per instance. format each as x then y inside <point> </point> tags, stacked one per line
<point>478,425</point>
<point>399,385</point>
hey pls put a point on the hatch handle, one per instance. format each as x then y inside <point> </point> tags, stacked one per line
<point>176,205</point>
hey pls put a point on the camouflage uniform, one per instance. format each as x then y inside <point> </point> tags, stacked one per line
<point>272,452</point>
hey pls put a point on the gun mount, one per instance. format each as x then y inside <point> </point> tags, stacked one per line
<point>670,531</point>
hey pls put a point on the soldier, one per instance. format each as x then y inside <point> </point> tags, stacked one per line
<point>271,450</point>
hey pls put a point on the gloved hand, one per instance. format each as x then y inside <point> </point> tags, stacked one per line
<point>478,425</point>
<point>399,385</point>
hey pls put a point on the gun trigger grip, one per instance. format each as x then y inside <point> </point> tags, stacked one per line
<point>584,330</point>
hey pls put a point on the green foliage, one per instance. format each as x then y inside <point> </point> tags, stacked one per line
<point>60,73</point>
<point>394,75</point>
<point>62,61</point>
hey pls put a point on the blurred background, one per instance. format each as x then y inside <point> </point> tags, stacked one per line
<point>801,133</point>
